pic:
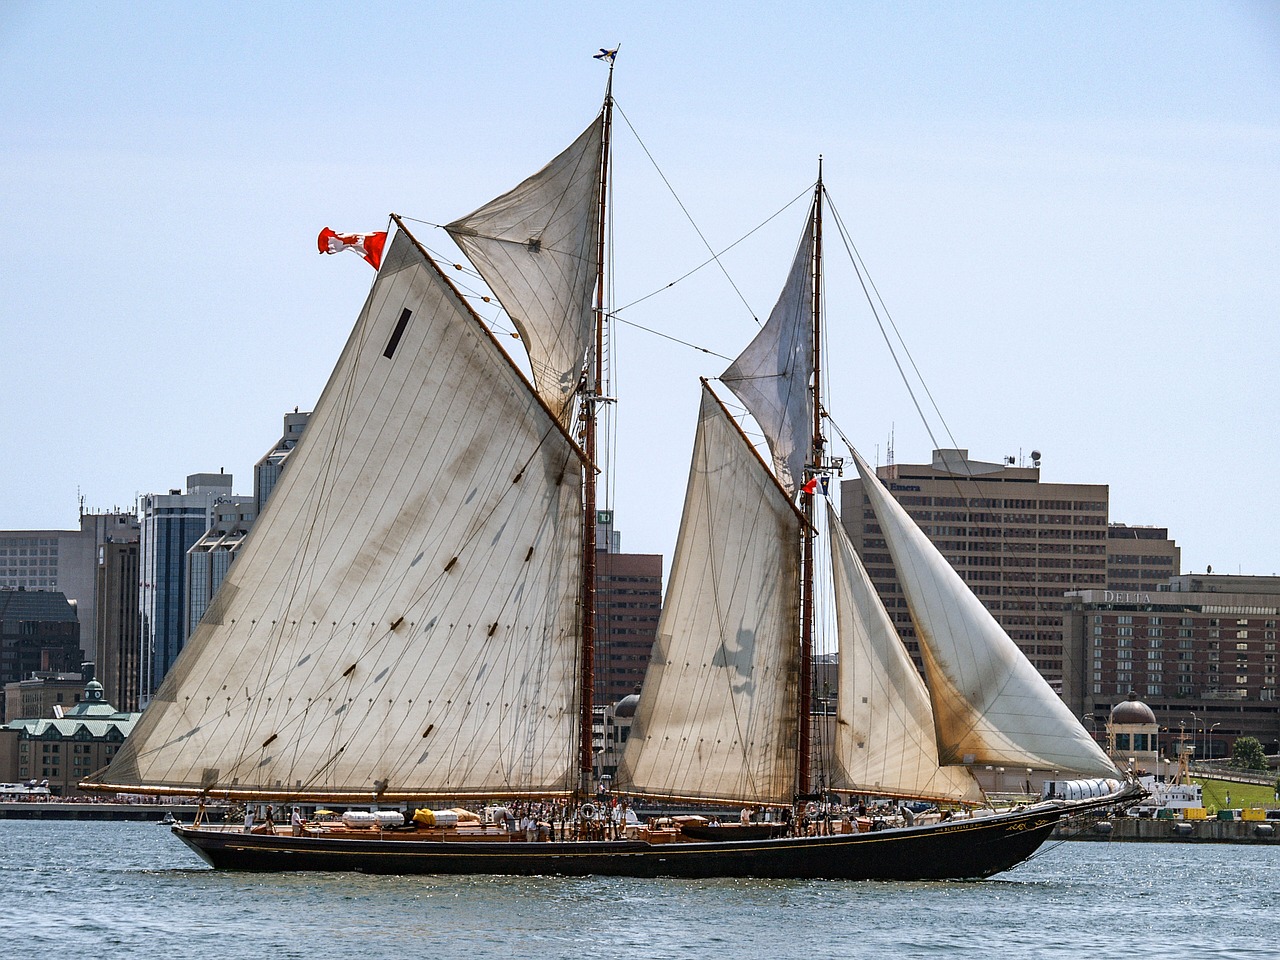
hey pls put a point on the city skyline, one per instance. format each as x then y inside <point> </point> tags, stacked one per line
<point>1070,215</point>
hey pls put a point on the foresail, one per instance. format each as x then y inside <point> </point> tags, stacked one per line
<point>771,377</point>
<point>717,713</point>
<point>402,620</point>
<point>537,248</point>
<point>884,743</point>
<point>990,705</point>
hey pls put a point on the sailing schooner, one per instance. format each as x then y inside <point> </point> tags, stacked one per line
<point>410,622</point>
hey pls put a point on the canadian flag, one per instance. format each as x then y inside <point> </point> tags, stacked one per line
<point>368,245</point>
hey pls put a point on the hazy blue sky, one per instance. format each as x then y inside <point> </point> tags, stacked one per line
<point>1072,211</point>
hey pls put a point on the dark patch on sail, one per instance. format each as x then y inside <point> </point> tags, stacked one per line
<point>304,659</point>
<point>381,674</point>
<point>397,333</point>
<point>414,561</point>
<point>430,624</point>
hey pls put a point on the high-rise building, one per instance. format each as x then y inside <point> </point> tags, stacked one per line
<point>117,666</point>
<point>266,472</point>
<point>39,633</point>
<point>1018,542</point>
<point>628,602</point>
<point>210,557</point>
<point>1199,650</point>
<point>1140,558</point>
<point>64,561</point>
<point>171,523</point>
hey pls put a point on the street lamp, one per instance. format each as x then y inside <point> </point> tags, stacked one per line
<point>1195,734</point>
<point>1207,739</point>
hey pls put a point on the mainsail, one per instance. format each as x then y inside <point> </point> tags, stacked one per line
<point>717,718</point>
<point>402,621</point>
<point>884,743</point>
<point>771,376</point>
<point>537,248</point>
<point>990,705</point>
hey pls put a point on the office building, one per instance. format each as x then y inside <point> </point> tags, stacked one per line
<point>64,561</point>
<point>628,603</point>
<point>117,666</point>
<point>171,523</point>
<point>39,633</point>
<point>1020,543</point>
<point>1200,651</point>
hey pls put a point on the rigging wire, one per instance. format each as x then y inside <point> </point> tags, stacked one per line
<point>685,210</point>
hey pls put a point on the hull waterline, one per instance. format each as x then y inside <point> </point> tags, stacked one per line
<point>955,849</point>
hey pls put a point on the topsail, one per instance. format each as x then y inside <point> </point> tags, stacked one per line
<point>537,248</point>
<point>771,377</point>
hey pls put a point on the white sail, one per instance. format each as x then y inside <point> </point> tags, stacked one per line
<point>537,248</point>
<point>884,743</point>
<point>402,619</point>
<point>990,705</point>
<point>771,377</point>
<point>717,717</point>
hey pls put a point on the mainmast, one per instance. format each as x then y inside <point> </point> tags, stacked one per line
<point>591,402</point>
<point>804,762</point>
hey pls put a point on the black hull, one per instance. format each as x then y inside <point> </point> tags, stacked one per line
<point>958,849</point>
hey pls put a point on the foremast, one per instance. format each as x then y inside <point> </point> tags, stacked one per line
<point>590,410</point>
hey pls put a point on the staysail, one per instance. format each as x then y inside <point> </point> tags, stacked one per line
<point>401,622</point>
<point>537,248</point>
<point>771,376</point>
<point>717,712</point>
<point>990,705</point>
<point>884,741</point>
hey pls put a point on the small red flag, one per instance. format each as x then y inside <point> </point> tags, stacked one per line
<point>368,245</point>
<point>810,486</point>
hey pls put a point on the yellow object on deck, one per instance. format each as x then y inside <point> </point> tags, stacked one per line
<point>1195,813</point>
<point>1253,814</point>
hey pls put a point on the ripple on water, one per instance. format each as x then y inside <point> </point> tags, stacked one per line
<point>136,891</point>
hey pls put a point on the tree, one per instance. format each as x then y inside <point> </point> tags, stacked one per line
<point>1248,754</point>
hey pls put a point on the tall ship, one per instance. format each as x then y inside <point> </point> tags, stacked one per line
<point>408,631</point>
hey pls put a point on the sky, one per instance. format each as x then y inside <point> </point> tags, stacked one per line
<point>1071,212</point>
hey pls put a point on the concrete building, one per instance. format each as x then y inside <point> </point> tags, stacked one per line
<point>64,561</point>
<point>39,633</point>
<point>1200,651</point>
<point>628,603</point>
<point>1140,558</point>
<point>64,749</point>
<point>171,523</point>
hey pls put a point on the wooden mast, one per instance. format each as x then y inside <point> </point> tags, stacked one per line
<point>804,779</point>
<point>591,403</point>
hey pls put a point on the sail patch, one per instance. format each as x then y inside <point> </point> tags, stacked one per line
<point>397,333</point>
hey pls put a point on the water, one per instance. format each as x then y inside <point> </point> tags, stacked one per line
<point>126,890</point>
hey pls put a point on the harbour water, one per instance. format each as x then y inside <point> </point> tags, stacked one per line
<point>131,890</point>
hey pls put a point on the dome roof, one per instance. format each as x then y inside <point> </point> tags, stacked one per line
<point>1132,710</point>
<point>627,706</point>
